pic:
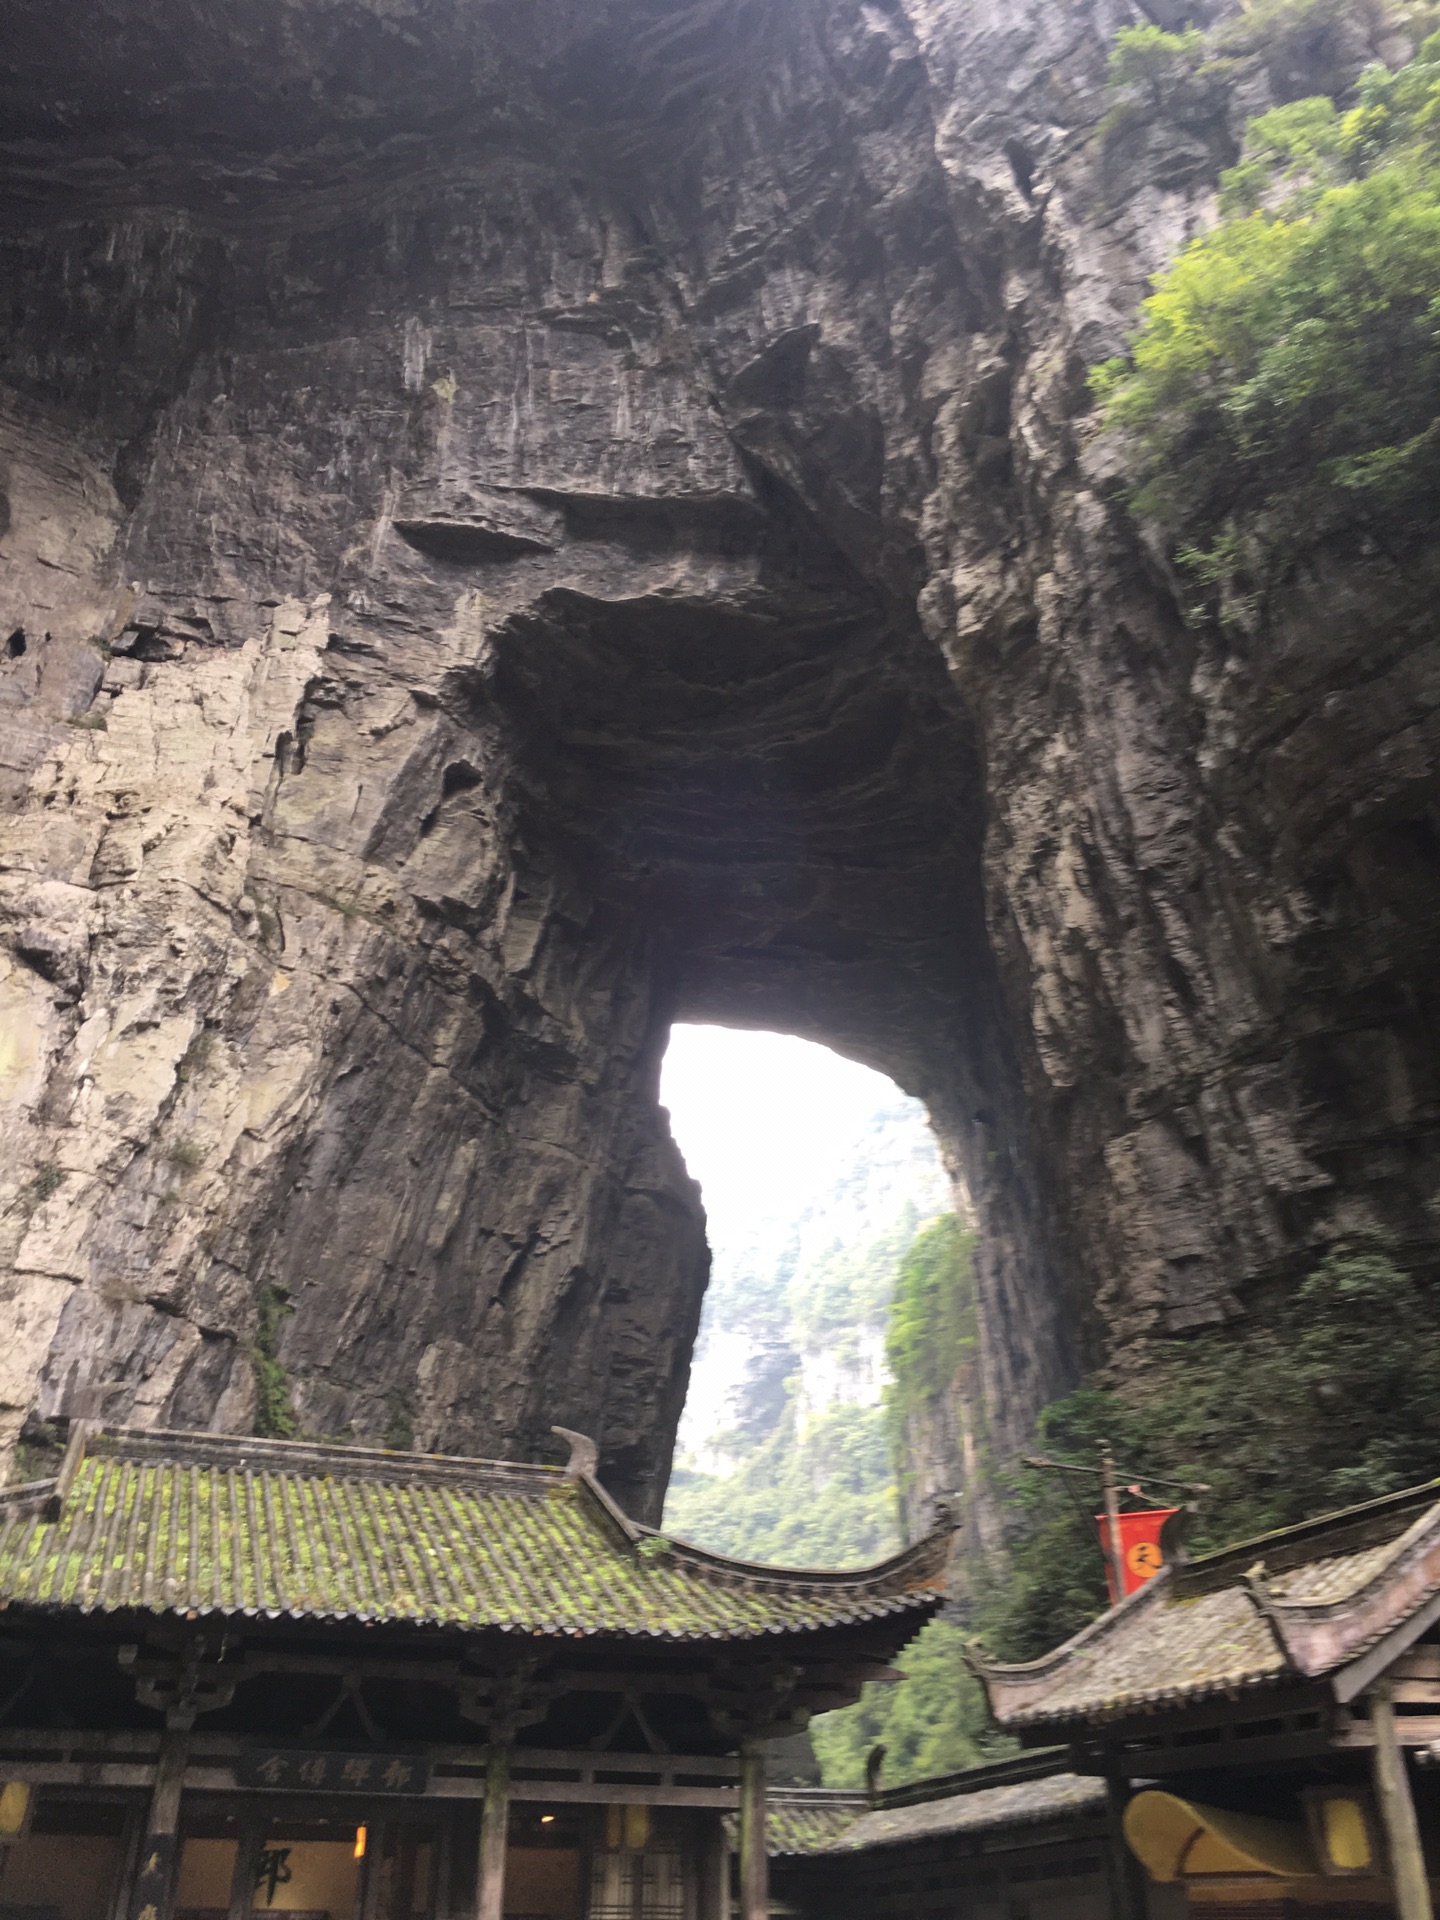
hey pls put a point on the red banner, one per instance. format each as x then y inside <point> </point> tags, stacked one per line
<point>1140,1556</point>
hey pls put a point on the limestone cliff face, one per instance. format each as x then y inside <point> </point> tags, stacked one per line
<point>523,522</point>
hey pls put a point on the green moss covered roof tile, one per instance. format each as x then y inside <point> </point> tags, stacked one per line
<point>209,1524</point>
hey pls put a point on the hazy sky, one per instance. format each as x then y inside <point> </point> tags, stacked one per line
<point>761,1115</point>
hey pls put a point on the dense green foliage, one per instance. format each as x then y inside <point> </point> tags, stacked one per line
<point>1331,1398</point>
<point>930,1341</point>
<point>933,1721</point>
<point>818,1486</point>
<point>809,1485</point>
<point>1285,383</point>
<point>816,1492</point>
<point>274,1414</point>
<point>848,1286</point>
<point>1300,47</point>
<point>930,1334</point>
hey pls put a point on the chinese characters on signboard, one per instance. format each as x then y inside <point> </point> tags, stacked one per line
<point>334,1772</point>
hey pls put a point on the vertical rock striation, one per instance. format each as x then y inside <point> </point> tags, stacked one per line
<point>522,523</point>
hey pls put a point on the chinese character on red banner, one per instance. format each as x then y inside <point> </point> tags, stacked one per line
<point>1140,1555</point>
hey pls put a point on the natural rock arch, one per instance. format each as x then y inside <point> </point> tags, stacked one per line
<point>570,522</point>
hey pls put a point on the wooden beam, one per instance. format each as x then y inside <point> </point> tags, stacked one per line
<point>203,1778</point>
<point>1417,1693</point>
<point>582,1794</point>
<point>1136,1760</point>
<point>1411,1730</point>
<point>80,1746</point>
<point>494,1835</point>
<point>52,1739</point>
<point>70,1773</point>
<point>1397,1810</point>
<point>754,1857</point>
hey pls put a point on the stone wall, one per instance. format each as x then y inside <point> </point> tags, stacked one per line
<point>525,523</point>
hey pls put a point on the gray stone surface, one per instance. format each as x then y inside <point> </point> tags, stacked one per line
<point>524,522</point>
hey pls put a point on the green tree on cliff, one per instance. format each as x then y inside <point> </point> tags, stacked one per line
<point>1285,382</point>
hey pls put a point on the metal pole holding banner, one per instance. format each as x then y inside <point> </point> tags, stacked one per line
<point>1114,1556</point>
<point>1112,1533</point>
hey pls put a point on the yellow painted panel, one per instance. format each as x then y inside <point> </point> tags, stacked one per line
<point>322,1877</point>
<point>1347,1837</point>
<point>72,1873</point>
<point>14,1805</point>
<point>206,1870</point>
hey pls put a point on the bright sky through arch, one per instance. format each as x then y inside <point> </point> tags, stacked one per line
<point>762,1117</point>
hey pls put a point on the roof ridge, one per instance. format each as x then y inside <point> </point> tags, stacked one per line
<point>1200,1572</point>
<point>1015,1769</point>
<point>816,1796</point>
<point>196,1444</point>
<point>25,1494</point>
<point>1395,1550</point>
<point>930,1552</point>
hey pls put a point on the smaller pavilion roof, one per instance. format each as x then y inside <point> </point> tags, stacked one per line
<point>1311,1601</point>
<point>803,1820</point>
<point>1001,1796</point>
<point>221,1526</point>
<point>1021,1803</point>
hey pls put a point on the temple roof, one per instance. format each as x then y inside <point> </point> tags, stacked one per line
<point>1022,1803</point>
<point>1305,1602</point>
<point>802,1820</point>
<point>1002,1796</point>
<point>207,1524</point>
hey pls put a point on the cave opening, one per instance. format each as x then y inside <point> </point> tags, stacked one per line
<point>754,783</point>
<point>749,788</point>
<point>818,1175</point>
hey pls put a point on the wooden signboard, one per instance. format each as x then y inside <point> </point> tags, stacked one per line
<point>334,1772</point>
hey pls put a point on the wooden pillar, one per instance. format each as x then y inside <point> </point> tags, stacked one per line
<point>369,1893</point>
<point>494,1836</point>
<point>247,1871</point>
<point>442,1895</point>
<point>712,1868</point>
<point>1126,1877</point>
<point>754,1861</point>
<point>150,1897</point>
<point>1397,1810</point>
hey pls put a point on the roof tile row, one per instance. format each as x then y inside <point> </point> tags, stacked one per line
<point>225,1529</point>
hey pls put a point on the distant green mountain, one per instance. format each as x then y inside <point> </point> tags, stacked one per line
<point>788,1448</point>
<point>783,1451</point>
